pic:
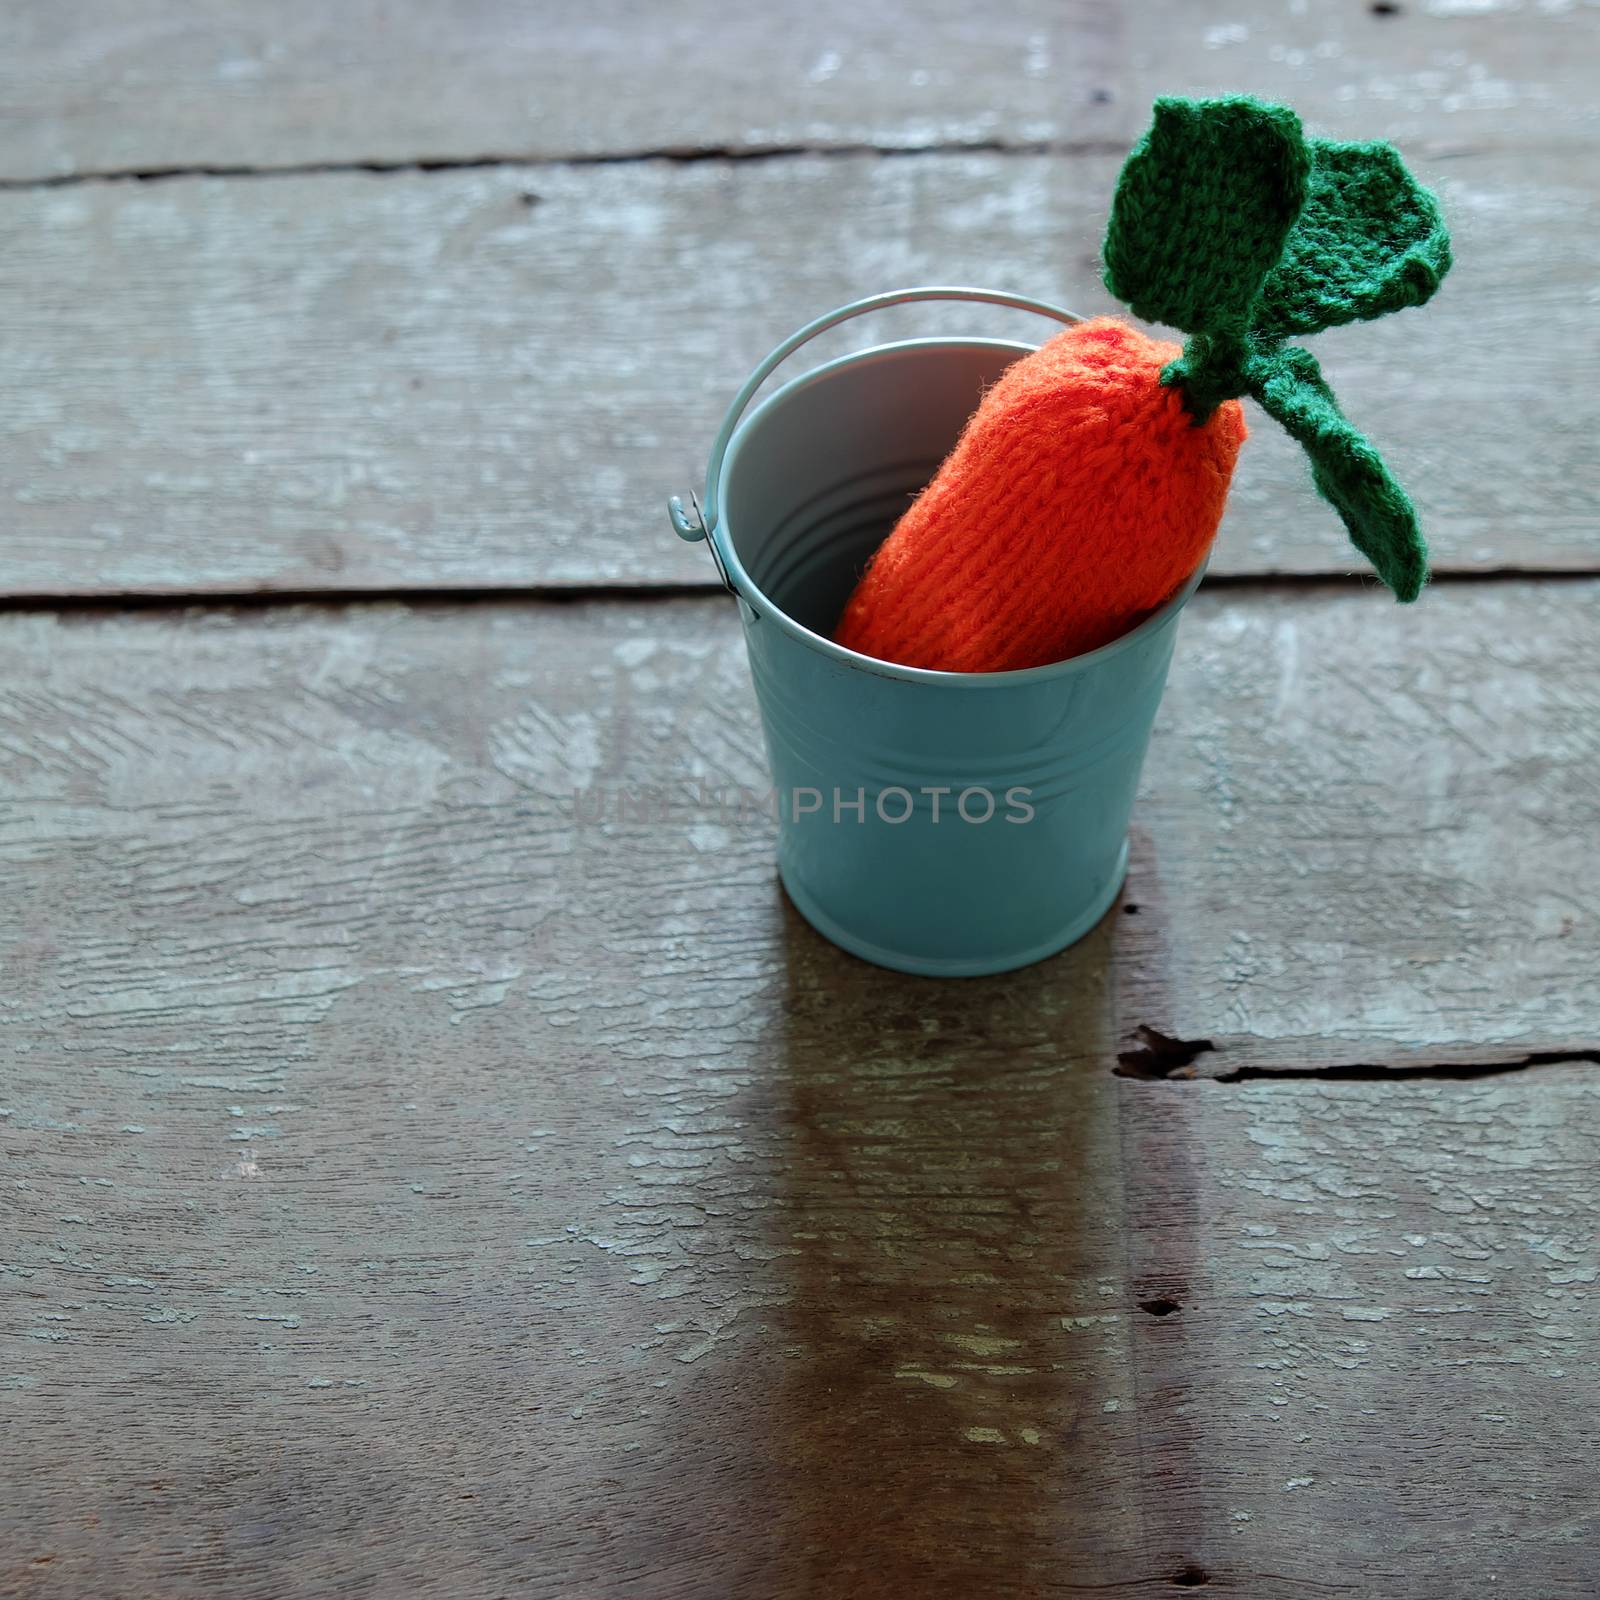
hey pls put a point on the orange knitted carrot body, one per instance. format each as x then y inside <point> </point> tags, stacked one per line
<point>1079,498</point>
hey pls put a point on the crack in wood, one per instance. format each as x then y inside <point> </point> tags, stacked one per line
<point>1162,1058</point>
<point>1376,1072</point>
<point>1161,1306</point>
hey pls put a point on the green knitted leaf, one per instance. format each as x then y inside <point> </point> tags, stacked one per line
<point>1369,240</point>
<point>1202,210</point>
<point>1230,224</point>
<point>1348,472</point>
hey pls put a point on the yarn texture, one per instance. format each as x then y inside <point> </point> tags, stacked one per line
<point>1078,499</point>
<point>1316,232</point>
<point>1089,484</point>
<point>1208,171</point>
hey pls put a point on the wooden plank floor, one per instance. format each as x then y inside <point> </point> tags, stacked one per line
<point>354,381</point>
<point>422,1173</point>
<point>362,1099</point>
<point>342,380</point>
<point>304,83</point>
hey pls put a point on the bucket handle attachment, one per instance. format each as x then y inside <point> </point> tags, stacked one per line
<point>702,521</point>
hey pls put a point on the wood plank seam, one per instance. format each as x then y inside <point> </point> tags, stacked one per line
<point>647,592</point>
<point>676,155</point>
<point>265,599</point>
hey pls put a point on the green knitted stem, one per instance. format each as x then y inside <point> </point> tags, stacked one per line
<point>1212,368</point>
<point>1232,225</point>
<point>1348,472</point>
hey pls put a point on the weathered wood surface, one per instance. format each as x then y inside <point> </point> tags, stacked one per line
<point>412,1186</point>
<point>133,88</point>
<point>1379,1381</point>
<point>408,1185</point>
<point>357,382</point>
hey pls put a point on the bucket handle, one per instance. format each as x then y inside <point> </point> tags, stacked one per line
<point>703,520</point>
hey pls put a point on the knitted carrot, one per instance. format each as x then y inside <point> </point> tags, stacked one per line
<point>1089,484</point>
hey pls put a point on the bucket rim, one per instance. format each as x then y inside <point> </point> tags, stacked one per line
<point>768,610</point>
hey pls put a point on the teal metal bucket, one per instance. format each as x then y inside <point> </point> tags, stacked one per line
<point>942,823</point>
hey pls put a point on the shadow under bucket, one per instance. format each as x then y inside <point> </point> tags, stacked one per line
<point>942,823</point>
